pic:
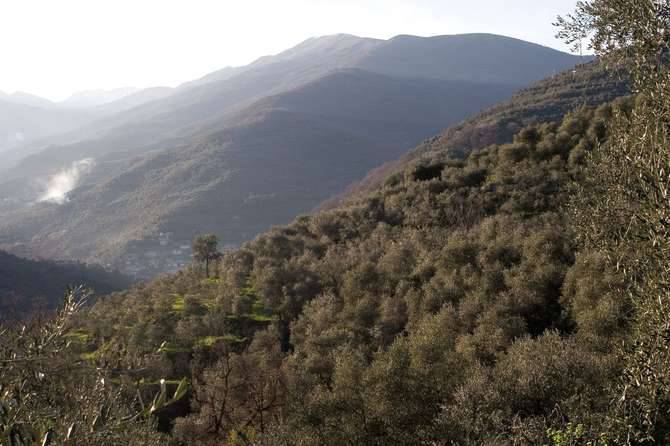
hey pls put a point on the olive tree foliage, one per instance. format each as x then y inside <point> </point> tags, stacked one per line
<point>623,207</point>
<point>49,396</point>
<point>205,250</point>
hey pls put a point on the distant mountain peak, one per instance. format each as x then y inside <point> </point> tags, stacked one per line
<point>23,98</point>
<point>338,37</point>
<point>328,43</point>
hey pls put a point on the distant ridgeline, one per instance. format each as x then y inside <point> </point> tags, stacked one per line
<point>31,285</point>
<point>445,302</point>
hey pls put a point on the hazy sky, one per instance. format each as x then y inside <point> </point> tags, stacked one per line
<point>54,47</point>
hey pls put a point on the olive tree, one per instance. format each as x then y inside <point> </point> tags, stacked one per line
<point>205,250</point>
<point>49,395</point>
<point>623,207</point>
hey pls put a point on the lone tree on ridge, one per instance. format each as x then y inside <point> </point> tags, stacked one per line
<point>205,250</point>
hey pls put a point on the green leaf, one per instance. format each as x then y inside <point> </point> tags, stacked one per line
<point>159,400</point>
<point>182,388</point>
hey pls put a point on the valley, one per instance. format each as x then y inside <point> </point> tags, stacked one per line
<point>240,152</point>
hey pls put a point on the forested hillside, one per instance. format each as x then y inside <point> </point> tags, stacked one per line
<point>449,303</point>
<point>28,285</point>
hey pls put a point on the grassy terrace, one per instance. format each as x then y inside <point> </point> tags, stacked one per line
<point>80,337</point>
<point>179,304</point>
<point>179,308</point>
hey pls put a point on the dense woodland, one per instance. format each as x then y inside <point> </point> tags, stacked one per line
<point>512,295</point>
<point>449,304</point>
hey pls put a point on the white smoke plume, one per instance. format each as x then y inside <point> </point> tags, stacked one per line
<point>60,184</point>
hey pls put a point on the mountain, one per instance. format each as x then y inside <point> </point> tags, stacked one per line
<point>21,123</point>
<point>323,136</point>
<point>469,57</point>
<point>257,147</point>
<point>94,98</point>
<point>219,75</point>
<point>181,115</point>
<point>27,285</point>
<point>135,99</point>
<point>184,113</point>
<point>589,85</point>
<point>20,97</point>
<point>59,132</point>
